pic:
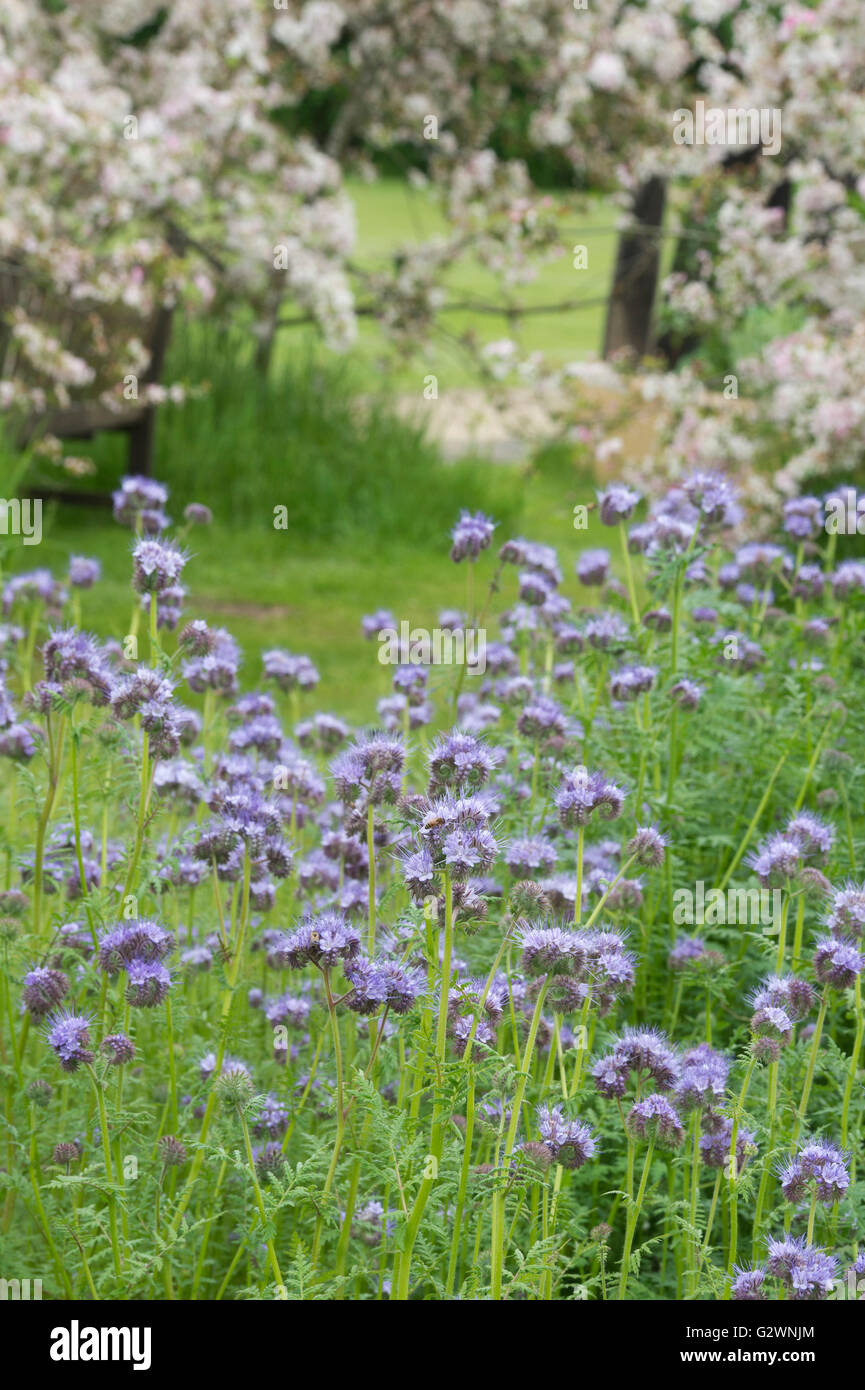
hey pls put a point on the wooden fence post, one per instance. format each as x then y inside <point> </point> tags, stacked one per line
<point>142,435</point>
<point>632,296</point>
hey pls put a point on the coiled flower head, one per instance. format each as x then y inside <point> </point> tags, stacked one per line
<point>171,1151</point>
<point>117,1048</point>
<point>647,845</point>
<point>819,1164</point>
<point>655,1118</point>
<point>702,1081</point>
<point>686,693</point>
<point>581,793</point>
<point>69,1035</point>
<point>234,1086</point>
<point>459,761</point>
<point>571,1142</point>
<point>846,915</point>
<point>593,567</point>
<point>617,503</point>
<point>43,990</point>
<point>323,941</point>
<point>140,939</point>
<point>715,1146</point>
<point>269,1159</point>
<point>472,534</point>
<point>837,963</point>
<point>66,1153</point>
<point>748,1281</point>
<point>39,1092</point>
<point>806,1270</point>
<point>148,983</point>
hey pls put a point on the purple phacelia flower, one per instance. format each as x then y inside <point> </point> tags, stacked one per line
<point>139,939</point>
<point>530,857</point>
<point>43,990</point>
<point>715,1147</point>
<point>715,497</point>
<point>813,835</point>
<point>148,982</point>
<point>272,1118</point>
<point>826,1166</point>
<point>837,963</point>
<point>606,631</point>
<point>777,860</point>
<point>846,915</point>
<point>593,567</point>
<point>83,573</point>
<point>686,693</point>
<point>747,1286</point>
<point>703,1078</point>
<point>656,1118</point>
<point>571,1142</point>
<point>156,565</point>
<point>69,1035</point>
<point>18,742</point>
<point>647,846</point>
<point>471,535</point>
<point>629,682</point>
<point>380,621</point>
<point>803,517</point>
<point>459,761</point>
<point>323,941</point>
<point>647,1049</point>
<point>198,514</point>
<point>117,1048</point>
<point>788,992</point>
<point>581,793</point>
<point>617,503</point>
<point>288,671</point>
<point>808,1271</point>
<point>551,950</point>
<point>138,498</point>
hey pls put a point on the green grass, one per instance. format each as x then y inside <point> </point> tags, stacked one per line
<point>392,214</point>
<point>369,501</point>
<point>272,588</point>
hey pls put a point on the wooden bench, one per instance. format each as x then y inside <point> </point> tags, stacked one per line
<point>76,327</point>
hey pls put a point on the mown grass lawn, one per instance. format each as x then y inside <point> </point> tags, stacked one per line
<point>392,214</point>
<point>272,589</point>
<point>370,502</point>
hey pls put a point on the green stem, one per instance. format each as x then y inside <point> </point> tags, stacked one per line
<point>765,1175</point>
<point>109,1169</point>
<point>499,1197</point>
<point>633,1217</point>
<point>259,1200</point>
<point>46,1225</point>
<point>340,1116</point>
<point>733,1173</point>
<point>578,900</point>
<point>854,1062</point>
<point>812,1062</point>
<point>629,576</point>
<point>402,1283</point>
<point>370,848</point>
